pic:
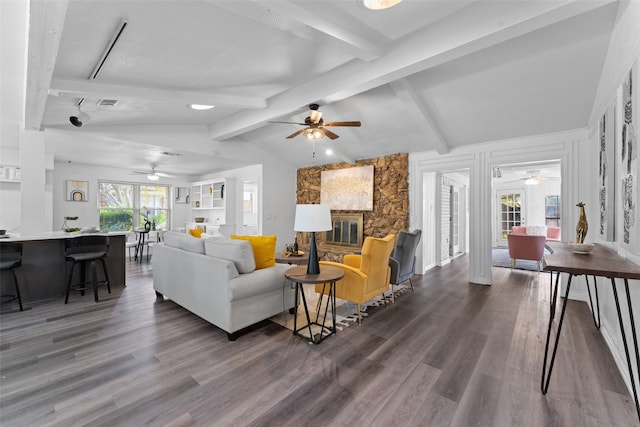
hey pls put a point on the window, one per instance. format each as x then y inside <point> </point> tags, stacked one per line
<point>552,211</point>
<point>125,206</point>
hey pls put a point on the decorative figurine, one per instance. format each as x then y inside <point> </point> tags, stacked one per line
<point>583,225</point>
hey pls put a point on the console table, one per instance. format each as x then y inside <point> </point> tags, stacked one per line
<point>328,276</point>
<point>599,262</point>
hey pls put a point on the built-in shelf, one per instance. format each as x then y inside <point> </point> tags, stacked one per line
<point>9,173</point>
<point>214,200</point>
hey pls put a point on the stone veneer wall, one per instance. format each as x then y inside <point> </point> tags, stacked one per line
<point>390,212</point>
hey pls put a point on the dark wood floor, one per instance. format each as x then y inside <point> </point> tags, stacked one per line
<point>449,354</point>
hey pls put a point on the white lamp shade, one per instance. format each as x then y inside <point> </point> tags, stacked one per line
<point>313,218</point>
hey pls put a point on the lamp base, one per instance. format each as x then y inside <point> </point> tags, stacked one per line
<point>313,267</point>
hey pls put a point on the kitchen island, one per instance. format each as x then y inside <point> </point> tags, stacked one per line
<point>44,271</point>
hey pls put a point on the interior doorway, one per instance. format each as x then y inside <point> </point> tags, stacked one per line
<point>250,208</point>
<point>445,216</point>
<point>521,194</point>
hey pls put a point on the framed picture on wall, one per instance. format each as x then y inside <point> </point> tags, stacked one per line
<point>77,191</point>
<point>348,189</point>
<point>629,165</point>
<point>182,194</point>
<point>607,173</point>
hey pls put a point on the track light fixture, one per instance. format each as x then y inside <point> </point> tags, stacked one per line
<point>79,120</point>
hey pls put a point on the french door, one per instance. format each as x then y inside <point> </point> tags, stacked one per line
<point>510,212</point>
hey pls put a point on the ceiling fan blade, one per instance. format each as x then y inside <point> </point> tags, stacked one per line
<point>296,133</point>
<point>291,123</point>
<point>328,133</point>
<point>353,124</point>
<point>139,172</point>
<point>164,175</point>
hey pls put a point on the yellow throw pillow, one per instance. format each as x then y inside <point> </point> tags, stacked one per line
<point>264,249</point>
<point>196,232</point>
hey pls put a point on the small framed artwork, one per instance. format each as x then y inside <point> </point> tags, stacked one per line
<point>77,191</point>
<point>182,195</point>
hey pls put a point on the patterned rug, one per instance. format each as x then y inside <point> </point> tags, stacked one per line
<point>500,258</point>
<point>346,312</point>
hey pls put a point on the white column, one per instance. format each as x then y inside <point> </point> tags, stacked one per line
<point>480,221</point>
<point>34,203</point>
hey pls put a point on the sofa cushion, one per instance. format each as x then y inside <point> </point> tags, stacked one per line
<point>184,241</point>
<point>264,249</point>
<point>196,232</point>
<point>237,251</point>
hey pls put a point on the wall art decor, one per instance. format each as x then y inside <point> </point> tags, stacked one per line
<point>607,173</point>
<point>77,191</point>
<point>348,189</point>
<point>182,194</point>
<point>629,168</point>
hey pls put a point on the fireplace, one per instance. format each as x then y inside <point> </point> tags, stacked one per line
<point>347,230</point>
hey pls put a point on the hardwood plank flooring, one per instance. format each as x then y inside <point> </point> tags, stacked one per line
<point>449,354</point>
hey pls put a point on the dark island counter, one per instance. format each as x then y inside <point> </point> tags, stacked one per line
<point>44,271</point>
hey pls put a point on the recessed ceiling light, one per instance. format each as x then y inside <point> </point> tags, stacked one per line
<point>380,4</point>
<point>329,152</point>
<point>201,106</point>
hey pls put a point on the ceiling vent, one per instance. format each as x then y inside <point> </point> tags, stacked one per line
<point>107,102</point>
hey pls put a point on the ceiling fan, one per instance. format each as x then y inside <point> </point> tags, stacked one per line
<point>316,127</point>
<point>153,175</point>
<point>533,178</point>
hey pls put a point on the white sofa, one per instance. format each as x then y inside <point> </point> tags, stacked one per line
<point>215,278</point>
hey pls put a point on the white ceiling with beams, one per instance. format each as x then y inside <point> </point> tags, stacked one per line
<point>423,75</point>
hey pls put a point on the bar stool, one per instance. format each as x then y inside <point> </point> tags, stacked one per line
<point>87,250</point>
<point>131,244</point>
<point>10,259</point>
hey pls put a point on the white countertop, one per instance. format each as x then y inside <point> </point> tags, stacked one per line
<point>55,235</point>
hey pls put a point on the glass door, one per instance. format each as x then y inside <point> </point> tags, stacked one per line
<point>510,208</point>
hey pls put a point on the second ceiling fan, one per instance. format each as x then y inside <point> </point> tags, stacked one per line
<point>316,127</point>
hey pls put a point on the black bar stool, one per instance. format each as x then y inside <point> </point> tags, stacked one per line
<point>87,250</point>
<point>10,259</point>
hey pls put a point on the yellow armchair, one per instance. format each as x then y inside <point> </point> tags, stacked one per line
<point>365,275</point>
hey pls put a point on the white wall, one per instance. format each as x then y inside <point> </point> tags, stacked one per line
<point>87,212</point>
<point>10,193</point>
<point>479,159</point>
<point>276,200</point>
<point>534,203</point>
<point>624,51</point>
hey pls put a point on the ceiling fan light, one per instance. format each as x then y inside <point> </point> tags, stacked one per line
<point>153,177</point>
<point>379,4</point>
<point>313,134</point>
<point>201,107</point>
<point>534,180</point>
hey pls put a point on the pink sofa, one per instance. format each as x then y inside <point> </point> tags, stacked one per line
<point>523,246</point>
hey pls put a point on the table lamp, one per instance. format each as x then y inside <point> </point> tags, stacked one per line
<point>312,218</point>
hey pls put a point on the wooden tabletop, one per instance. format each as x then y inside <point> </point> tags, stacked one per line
<point>327,274</point>
<point>599,262</point>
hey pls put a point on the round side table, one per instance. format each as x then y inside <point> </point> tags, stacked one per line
<point>328,276</point>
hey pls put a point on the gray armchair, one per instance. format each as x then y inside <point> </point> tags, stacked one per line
<point>403,259</point>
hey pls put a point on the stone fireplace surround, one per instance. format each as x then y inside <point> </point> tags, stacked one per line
<point>390,212</point>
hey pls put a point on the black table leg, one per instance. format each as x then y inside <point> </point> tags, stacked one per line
<point>593,312</point>
<point>331,300</point>
<point>545,379</point>
<point>624,338</point>
<point>306,312</point>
